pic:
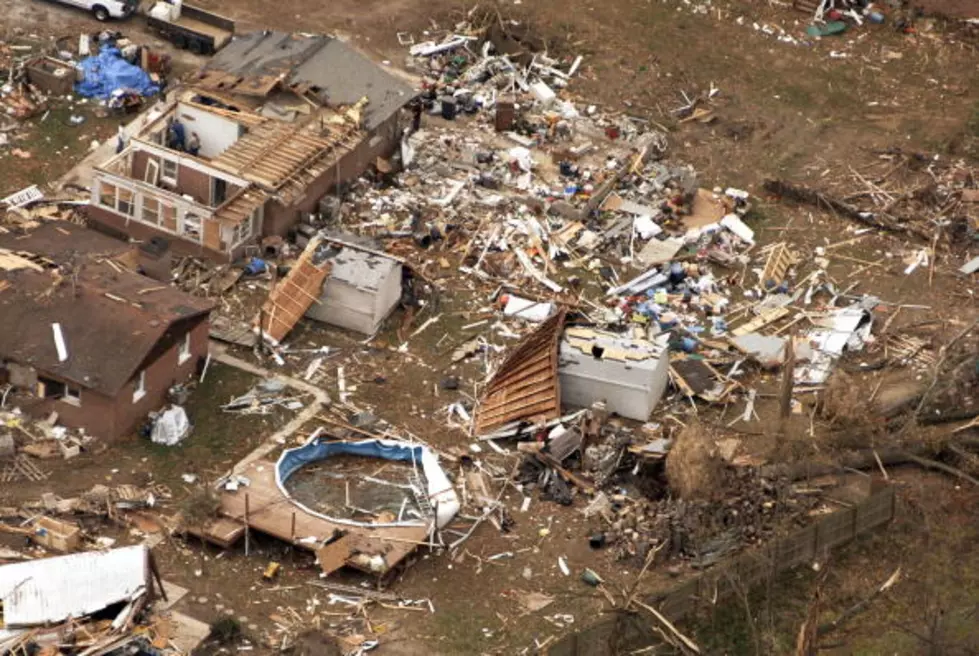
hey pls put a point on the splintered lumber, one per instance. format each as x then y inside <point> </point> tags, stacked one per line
<point>779,260</point>
<point>525,387</point>
<point>763,319</point>
<point>290,299</point>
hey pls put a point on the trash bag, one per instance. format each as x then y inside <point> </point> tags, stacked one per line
<point>171,426</point>
<point>107,72</point>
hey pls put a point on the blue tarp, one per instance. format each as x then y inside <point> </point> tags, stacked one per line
<point>107,72</point>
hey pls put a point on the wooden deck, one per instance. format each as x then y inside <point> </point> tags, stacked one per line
<point>271,512</point>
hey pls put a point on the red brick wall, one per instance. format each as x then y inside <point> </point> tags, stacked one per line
<point>194,183</point>
<point>110,419</point>
<point>116,226</point>
<point>279,218</point>
<point>96,414</point>
<point>140,159</point>
<point>161,374</point>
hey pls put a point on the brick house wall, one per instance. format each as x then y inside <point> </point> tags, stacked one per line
<point>117,226</point>
<point>280,218</point>
<point>111,418</point>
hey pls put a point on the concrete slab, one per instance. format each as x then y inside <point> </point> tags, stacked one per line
<point>188,633</point>
<point>174,594</point>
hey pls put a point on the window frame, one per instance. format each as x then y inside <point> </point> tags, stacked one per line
<point>72,395</point>
<point>139,389</point>
<point>184,353</point>
<point>164,164</point>
<point>157,220</point>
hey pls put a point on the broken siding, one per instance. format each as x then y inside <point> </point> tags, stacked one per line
<point>525,387</point>
<point>53,590</point>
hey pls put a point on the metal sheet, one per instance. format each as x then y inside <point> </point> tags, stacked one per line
<point>52,590</point>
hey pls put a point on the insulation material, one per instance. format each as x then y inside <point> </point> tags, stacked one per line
<point>170,427</point>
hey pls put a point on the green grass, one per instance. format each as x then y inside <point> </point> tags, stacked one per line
<point>219,439</point>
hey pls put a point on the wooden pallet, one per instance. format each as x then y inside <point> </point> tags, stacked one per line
<point>22,467</point>
<point>780,259</point>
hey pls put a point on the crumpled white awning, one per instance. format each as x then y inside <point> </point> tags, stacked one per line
<point>51,590</point>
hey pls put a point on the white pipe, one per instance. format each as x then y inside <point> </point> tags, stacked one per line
<point>59,342</point>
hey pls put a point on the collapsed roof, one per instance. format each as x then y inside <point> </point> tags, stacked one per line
<point>319,67</point>
<point>40,592</point>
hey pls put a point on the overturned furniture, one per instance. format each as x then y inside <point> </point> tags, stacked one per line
<point>360,292</point>
<point>629,375</point>
<point>256,495</point>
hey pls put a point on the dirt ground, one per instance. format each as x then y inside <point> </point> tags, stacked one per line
<point>783,110</point>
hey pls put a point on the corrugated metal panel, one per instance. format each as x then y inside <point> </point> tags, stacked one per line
<point>53,589</point>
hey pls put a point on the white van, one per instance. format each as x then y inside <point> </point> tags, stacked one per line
<point>103,10</point>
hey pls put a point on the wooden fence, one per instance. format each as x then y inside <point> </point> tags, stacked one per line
<point>745,571</point>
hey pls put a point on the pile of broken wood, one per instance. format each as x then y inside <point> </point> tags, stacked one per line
<point>906,193</point>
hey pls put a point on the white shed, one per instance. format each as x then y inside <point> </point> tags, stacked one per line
<point>629,375</point>
<point>360,292</point>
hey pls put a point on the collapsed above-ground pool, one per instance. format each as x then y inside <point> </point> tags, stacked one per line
<point>440,493</point>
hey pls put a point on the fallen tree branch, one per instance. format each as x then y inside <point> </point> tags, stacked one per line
<point>868,459</point>
<point>801,194</point>
<point>687,642</point>
<point>860,606</point>
<point>941,466</point>
<point>945,350</point>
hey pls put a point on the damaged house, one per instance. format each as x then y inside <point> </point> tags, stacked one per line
<point>270,126</point>
<point>88,338</point>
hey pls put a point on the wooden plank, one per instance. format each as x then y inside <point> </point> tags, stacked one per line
<point>334,555</point>
<point>766,317</point>
<point>508,398</point>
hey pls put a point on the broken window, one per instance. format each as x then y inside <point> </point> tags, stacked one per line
<point>151,210</point>
<point>139,389</point>
<point>243,230</point>
<point>169,171</point>
<point>48,388</point>
<point>124,204</point>
<point>152,172</point>
<point>73,395</point>
<point>107,195</point>
<point>191,227</point>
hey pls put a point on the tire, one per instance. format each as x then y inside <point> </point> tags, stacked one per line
<point>101,13</point>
